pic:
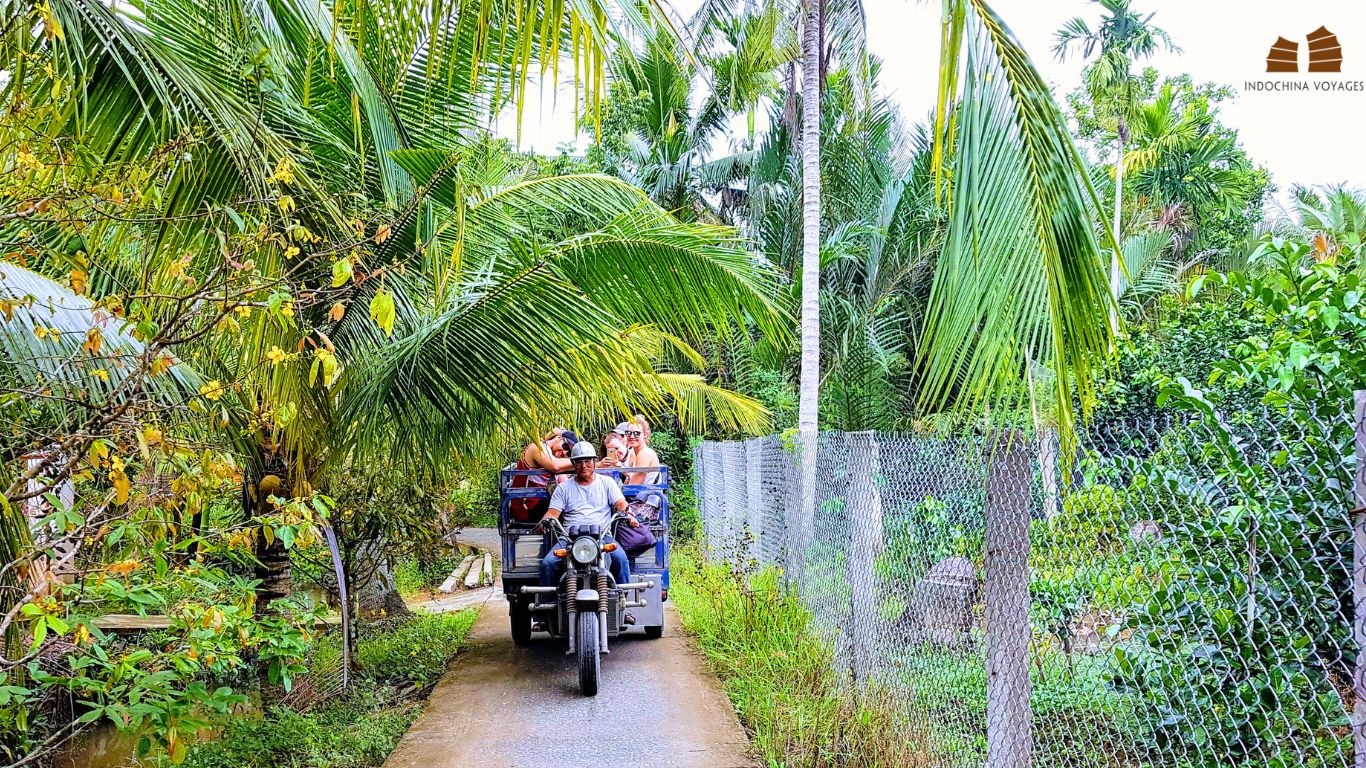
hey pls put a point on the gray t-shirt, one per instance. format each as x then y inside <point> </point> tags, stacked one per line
<point>586,504</point>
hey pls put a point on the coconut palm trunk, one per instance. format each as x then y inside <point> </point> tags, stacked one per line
<point>809,385</point>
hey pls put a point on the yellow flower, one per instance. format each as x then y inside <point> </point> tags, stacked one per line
<point>276,355</point>
<point>284,174</point>
<point>212,390</point>
<point>285,204</point>
<point>243,309</point>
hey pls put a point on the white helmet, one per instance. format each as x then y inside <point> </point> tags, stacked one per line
<point>583,450</point>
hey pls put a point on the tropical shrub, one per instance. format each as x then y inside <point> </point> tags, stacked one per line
<point>417,650</point>
<point>1244,644</point>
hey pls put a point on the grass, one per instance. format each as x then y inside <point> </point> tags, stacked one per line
<point>777,671</point>
<point>415,579</point>
<point>398,665</point>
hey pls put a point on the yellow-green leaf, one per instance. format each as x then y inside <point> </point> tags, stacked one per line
<point>382,310</point>
<point>341,273</point>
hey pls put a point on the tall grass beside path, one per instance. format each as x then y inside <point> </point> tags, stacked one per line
<point>778,672</point>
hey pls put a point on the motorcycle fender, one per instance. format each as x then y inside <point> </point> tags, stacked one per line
<point>588,596</point>
<point>652,614</point>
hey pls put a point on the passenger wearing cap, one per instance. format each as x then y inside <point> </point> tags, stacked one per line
<point>613,450</point>
<point>587,499</point>
<point>550,454</point>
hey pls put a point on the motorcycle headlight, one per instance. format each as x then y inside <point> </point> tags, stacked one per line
<point>585,550</point>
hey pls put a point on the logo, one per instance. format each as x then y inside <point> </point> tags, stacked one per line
<point>1325,54</point>
<point>1324,57</point>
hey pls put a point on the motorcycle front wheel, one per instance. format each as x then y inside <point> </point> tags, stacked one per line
<point>589,657</point>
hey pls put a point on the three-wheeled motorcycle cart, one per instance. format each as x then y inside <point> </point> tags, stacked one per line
<point>586,607</point>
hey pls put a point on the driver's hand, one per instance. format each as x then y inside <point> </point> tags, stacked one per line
<point>633,521</point>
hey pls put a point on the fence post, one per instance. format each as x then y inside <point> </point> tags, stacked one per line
<point>808,442</point>
<point>1006,595</point>
<point>710,501</point>
<point>1359,580</point>
<point>733,475</point>
<point>865,544</point>
<point>754,500</point>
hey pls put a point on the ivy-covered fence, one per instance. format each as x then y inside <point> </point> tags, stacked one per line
<point>1173,591</point>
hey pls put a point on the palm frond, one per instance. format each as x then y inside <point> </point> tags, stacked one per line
<point>1020,277</point>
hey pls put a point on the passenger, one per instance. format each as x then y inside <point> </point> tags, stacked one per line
<point>642,455</point>
<point>614,450</point>
<point>587,499</point>
<point>551,455</point>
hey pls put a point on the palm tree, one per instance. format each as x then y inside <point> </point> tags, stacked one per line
<point>809,379</point>
<point>1188,174</point>
<point>460,265</point>
<point>1333,219</point>
<point>1122,37</point>
<point>743,53</point>
<point>666,138</point>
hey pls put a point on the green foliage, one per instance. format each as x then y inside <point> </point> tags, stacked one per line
<point>776,391</point>
<point>1245,632</point>
<point>1185,172</point>
<point>1067,700</point>
<point>918,536</point>
<point>359,729</point>
<point>1187,339</point>
<point>685,521</point>
<point>777,672</point>
<point>474,501</point>
<point>413,577</point>
<point>416,651</point>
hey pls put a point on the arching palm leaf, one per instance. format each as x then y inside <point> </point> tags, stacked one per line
<point>1020,278</point>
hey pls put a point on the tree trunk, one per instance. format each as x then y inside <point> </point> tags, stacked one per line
<point>273,571</point>
<point>377,596</point>
<point>790,102</point>
<point>272,568</point>
<point>809,386</point>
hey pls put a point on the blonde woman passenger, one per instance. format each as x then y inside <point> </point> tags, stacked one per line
<point>641,454</point>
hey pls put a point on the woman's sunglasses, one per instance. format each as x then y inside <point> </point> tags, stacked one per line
<point>634,434</point>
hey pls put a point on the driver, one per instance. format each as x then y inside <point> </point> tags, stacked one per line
<point>587,500</point>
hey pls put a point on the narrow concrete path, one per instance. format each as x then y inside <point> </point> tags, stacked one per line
<point>500,706</point>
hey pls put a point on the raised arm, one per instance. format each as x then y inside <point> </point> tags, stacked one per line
<point>536,455</point>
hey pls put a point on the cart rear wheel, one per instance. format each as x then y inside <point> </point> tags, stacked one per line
<point>589,658</point>
<point>521,622</point>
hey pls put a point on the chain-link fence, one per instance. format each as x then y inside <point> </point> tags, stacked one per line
<point>1175,592</point>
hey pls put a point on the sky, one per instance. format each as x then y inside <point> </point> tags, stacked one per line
<point>1309,138</point>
